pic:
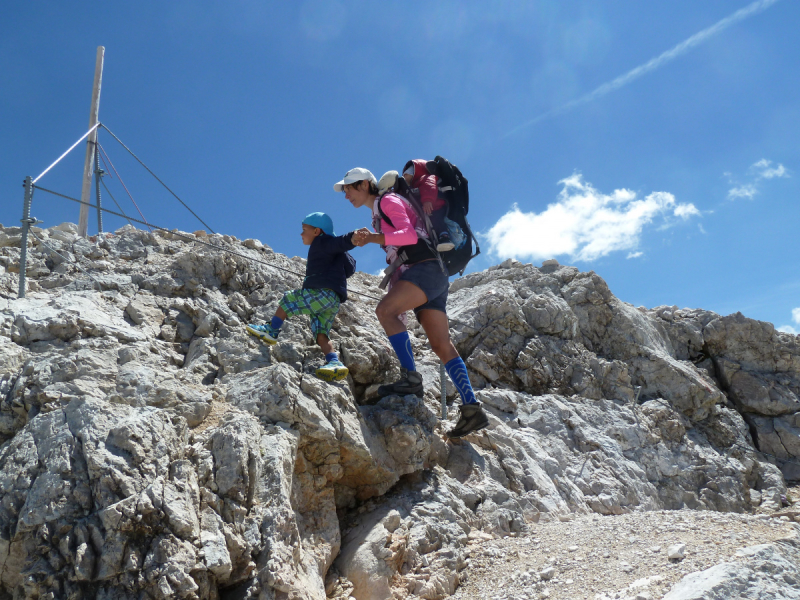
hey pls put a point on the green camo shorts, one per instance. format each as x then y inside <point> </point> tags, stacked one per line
<point>321,305</point>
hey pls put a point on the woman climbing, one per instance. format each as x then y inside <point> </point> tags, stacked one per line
<point>418,284</point>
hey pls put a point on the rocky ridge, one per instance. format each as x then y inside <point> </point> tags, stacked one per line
<point>151,449</point>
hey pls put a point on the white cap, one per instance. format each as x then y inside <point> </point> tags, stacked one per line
<point>354,175</point>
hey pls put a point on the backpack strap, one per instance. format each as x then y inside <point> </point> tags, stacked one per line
<point>423,249</point>
<point>383,215</point>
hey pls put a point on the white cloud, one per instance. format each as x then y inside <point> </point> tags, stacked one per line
<point>634,254</point>
<point>796,319</point>
<point>743,191</point>
<point>686,211</point>
<point>762,169</point>
<point>583,223</point>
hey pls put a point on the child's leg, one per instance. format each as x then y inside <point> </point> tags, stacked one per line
<point>333,369</point>
<point>325,344</point>
<point>268,333</point>
<point>437,220</point>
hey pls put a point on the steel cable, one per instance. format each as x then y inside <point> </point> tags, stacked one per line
<point>103,150</point>
<point>156,177</point>
<point>115,200</point>
<point>198,241</point>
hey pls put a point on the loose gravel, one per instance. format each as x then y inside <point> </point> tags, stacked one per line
<point>597,557</point>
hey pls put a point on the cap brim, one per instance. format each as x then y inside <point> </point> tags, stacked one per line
<point>338,187</point>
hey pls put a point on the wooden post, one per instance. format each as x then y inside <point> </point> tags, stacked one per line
<point>88,167</point>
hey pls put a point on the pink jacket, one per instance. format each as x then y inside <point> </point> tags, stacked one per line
<point>405,227</point>
<point>427,184</point>
<point>404,230</point>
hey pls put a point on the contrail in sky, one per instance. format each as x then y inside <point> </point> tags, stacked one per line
<point>658,61</point>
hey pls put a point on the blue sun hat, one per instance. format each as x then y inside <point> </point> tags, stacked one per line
<point>321,220</point>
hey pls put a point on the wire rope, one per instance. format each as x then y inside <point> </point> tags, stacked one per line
<point>71,148</point>
<point>122,182</point>
<point>157,179</point>
<point>115,200</point>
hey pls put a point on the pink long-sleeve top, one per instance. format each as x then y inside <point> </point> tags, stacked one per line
<point>404,229</point>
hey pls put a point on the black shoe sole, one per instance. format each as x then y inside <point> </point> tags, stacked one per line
<point>384,393</point>
<point>460,435</point>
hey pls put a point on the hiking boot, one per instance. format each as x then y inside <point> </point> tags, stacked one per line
<point>333,370</point>
<point>265,333</point>
<point>445,245</point>
<point>472,419</point>
<point>410,382</point>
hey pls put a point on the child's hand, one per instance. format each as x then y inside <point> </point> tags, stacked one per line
<point>427,207</point>
<point>360,236</point>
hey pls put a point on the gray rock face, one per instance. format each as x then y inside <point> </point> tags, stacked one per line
<point>765,571</point>
<point>151,449</point>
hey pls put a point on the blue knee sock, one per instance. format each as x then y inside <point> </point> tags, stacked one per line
<point>276,323</point>
<point>402,347</point>
<point>331,356</point>
<point>458,373</point>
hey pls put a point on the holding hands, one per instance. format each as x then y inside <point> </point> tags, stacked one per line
<point>363,236</point>
<point>360,237</point>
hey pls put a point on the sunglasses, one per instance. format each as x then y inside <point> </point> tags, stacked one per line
<point>349,186</point>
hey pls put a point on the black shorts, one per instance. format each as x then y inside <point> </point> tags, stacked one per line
<point>429,277</point>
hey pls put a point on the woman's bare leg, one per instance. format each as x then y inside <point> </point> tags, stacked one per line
<point>403,296</point>
<point>437,328</point>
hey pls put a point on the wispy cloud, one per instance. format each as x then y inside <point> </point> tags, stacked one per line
<point>796,315</point>
<point>655,63</point>
<point>764,170</point>
<point>757,172</point>
<point>584,223</point>
<point>743,191</point>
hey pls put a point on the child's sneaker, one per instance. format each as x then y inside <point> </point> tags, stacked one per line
<point>266,333</point>
<point>445,245</point>
<point>333,370</point>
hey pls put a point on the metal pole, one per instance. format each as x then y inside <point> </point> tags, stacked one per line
<point>26,224</point>
<point>443,386</point>
<point>98,173</point>
<point>83,220</point>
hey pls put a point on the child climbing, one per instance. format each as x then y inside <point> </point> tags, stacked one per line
<point>328,266</point>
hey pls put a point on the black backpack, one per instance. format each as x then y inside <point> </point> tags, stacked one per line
<point>453,187</point>
<point>349,264</point>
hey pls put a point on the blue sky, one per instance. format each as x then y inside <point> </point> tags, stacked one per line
<point>655,143</point>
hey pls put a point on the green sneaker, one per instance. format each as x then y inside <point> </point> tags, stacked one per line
<point>265,333</point>
<point>332,370</point>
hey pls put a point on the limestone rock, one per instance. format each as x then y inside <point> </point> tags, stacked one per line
<point>151,448</point>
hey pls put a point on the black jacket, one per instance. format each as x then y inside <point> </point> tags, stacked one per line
<point>325,268</point>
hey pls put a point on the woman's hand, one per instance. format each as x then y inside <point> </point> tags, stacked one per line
<point>427,207</point>
<point>360,237</point>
